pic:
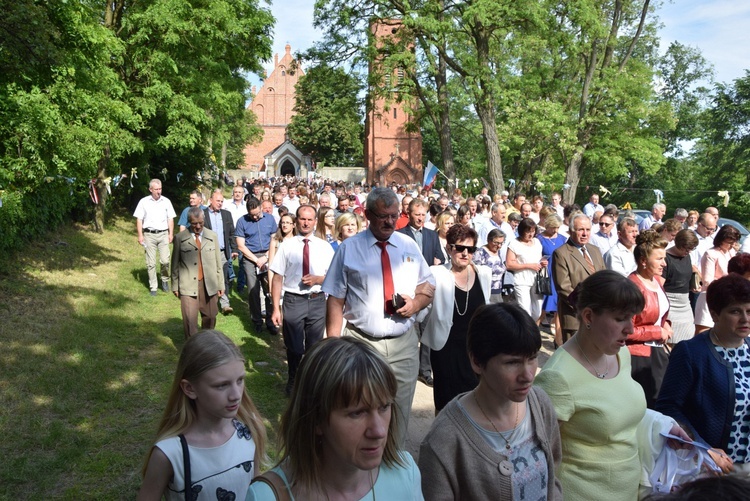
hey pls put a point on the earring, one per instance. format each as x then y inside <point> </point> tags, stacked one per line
<point>588,326</point>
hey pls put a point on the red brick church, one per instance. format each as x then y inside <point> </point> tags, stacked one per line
<point>391,153</point>
<point>273,106</point>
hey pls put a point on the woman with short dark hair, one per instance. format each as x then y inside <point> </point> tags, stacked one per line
<point>713,266</point>
<point>707,384</point>
<point>678,274</point>
<point>460,288</point>
<point>500,439</point>
<point>524,260</point>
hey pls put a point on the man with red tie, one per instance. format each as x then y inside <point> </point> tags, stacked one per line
<point>378,281</point>
<point>300,266</point>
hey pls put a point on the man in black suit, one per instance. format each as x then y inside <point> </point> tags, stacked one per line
<point>221,222</point>
<point>429,243</point>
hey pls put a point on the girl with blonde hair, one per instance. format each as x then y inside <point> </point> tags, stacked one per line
<point>211,421</point>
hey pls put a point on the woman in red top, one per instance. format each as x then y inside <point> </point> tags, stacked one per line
<point>651,327</point>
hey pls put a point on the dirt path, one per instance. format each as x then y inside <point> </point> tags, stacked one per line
<point>423,409</point>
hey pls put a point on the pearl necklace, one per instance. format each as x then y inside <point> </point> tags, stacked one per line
<point>598,374</point>
<point>455,301</point>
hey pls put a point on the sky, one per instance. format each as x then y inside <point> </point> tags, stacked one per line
<point>719,28</point>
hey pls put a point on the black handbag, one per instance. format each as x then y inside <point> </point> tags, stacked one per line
<point>543,282</point>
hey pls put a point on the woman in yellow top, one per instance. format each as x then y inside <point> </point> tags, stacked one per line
<point>598,404</point>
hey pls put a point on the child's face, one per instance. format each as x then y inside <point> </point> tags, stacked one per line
<point>218,392</point>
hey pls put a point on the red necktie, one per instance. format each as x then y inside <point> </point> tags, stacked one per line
<point>385,263</point>
<point>306,258</point>
<point>200,262</point>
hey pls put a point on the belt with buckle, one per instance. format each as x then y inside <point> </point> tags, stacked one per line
<point>148,230</point>
<point>312,295</point>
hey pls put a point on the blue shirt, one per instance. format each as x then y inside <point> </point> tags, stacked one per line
<point>183,216</point>
<point>257,234</point>
<point>217,224</point>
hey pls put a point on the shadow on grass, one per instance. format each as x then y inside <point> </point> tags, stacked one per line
<point>71,251</point>
<point>85,368</point>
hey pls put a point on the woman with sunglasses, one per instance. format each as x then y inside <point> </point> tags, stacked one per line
<point>460,288</point>
<point>524,260</point>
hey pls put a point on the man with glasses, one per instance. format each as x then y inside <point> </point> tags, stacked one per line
<point>378,281</point>
<point>705,230</point>
<point>253,233</point>
<point>605,238</point>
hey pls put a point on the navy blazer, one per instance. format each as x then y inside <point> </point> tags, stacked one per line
<point>430,244</point>
<point>230,243</point>
<point>698,390</point>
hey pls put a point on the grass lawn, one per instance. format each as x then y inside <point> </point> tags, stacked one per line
<point>86,360</point>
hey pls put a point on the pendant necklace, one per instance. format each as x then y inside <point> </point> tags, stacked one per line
<point>505,467</point>
<point>466,305</point>
<point>598,374</point>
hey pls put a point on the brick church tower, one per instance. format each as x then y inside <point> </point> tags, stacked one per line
<point>391,153</point>
<point>273,106</point>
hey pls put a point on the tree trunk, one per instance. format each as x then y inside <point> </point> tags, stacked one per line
<point>485,106</point>
<point>101,186</point>
<point>446,147</point>
<point>573,176</point>
<point>486,112</point>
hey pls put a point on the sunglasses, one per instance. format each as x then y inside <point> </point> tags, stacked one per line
<point>606,224</point>
<point>460,248</point>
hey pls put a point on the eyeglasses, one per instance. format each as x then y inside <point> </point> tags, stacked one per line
<point>384,217</point>
<point>460,248</point>
<point>606,224</point>
<point>707,228</point>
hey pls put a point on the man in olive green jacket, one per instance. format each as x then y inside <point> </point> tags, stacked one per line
<point>197,276</point>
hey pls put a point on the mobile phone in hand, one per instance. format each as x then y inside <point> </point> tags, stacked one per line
<point>398,301</point>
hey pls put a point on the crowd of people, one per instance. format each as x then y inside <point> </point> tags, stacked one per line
<point>376,289</point>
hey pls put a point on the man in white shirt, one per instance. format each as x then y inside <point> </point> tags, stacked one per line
<point>620,257</point>
<point>657,212</point>
<point>155,226</point>
<point>593,206</point>
<point>497,220</point>
<point>291,201</point>
<point>300,266</point>
<point>606,237</point>
<point>556,199</point>
<point>378,281</point>
<point>236,206</point>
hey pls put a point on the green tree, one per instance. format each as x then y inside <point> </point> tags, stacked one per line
<point>723,150</point>
<point>89,91</point>
<point>327,123</point>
